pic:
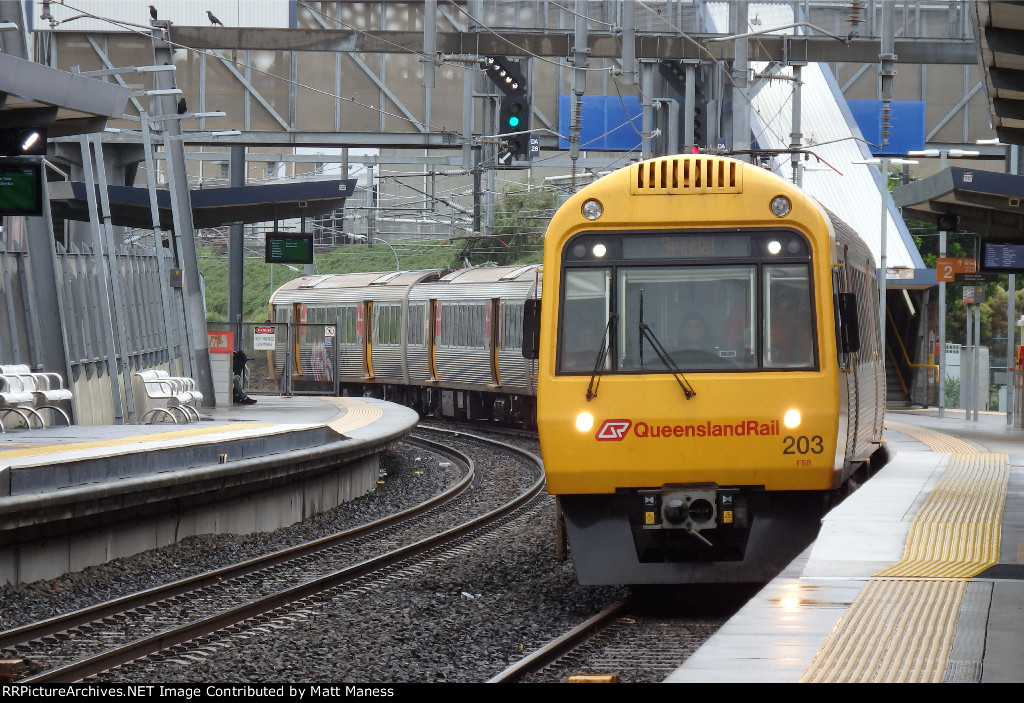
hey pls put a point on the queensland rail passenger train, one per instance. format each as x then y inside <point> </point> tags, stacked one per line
<point>447,344</point>
<point>709,371</point>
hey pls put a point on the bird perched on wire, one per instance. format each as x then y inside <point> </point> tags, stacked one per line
<point>152,12</point>
<point>213,19</point>
<point>182,106</point>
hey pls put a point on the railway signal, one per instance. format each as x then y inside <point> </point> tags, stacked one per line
<point>514,111</point>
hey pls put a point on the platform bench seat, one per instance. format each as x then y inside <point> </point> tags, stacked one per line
<point>45,389</point>
<point>16,397</point>
<point>168,397</point>
<point>183,384</point>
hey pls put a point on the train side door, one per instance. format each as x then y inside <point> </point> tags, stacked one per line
<point>364,332</point>
<point>297,339</point>
<point>846,323</point>
<point>434,336</point>
<point>492,338</point>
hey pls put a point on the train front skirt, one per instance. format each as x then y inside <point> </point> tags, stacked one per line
<point>609,547</point>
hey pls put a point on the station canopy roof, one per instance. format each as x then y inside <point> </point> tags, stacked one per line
<point>62,103</point>
<point>211,207</point>
<point>1001,55</point>
<point>967,199</point>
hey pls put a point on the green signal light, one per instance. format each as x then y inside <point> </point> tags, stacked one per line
<point>513,121</point>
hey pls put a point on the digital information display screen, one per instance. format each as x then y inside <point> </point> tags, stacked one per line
<point>289,248</point>
<point>691,247</point>
<point>21,189</point>
<point>1004,257</point>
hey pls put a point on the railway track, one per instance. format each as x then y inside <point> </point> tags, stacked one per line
<point>192,618</point>
<point>638,641</point>
<point>641,639</point>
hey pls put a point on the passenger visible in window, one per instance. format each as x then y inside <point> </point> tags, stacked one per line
<point>693,334</point>
<point>737,327</point>
<point>790,333</point>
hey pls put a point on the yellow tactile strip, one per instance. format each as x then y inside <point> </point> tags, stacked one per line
<point>206,430</point>
<point>359,414</point>
<point>936,441</point>
<point>896,631</point>
<point>956,532</point>
<point>900,627</point>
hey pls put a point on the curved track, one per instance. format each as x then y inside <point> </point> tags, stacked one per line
<point>208,609</point>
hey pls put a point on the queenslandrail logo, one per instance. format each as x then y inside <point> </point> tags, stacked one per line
<point>617,430</point>
<point>613,430</point>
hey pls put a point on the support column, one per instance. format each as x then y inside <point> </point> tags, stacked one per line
<point>184,230</point>
<point>236,250</point>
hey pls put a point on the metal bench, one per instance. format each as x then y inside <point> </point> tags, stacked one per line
<point>167,398</point>
<point>16,397</point>
<point>47,390</point>
<point>186,387</point>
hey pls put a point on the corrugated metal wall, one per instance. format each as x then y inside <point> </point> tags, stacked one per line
<point>94,344</point>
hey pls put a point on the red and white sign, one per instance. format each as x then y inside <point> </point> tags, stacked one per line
<point>613,430</point>
<point>264,337</point>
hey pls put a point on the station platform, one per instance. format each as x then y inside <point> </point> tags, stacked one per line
<point>75,496</point>
<point>916,577</point>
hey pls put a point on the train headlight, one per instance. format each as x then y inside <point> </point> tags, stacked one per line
<point>592,209</point>
<point>584,422</point>
<point>792,419</point>
<point>600,250</point>
<point>774,247</point>
<point>781,206</point>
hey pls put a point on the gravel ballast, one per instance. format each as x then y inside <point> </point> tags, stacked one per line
<point>462,620</point>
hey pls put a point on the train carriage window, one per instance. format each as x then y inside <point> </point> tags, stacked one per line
<point>510,330</point>
<point>346,319</point>
<point>387,328</point>
<point>700,315</point>
<point>584,319</point>
<point>462,325</point>
<point>417,324</point>
<point>309,331</point>
<point>789,325</point>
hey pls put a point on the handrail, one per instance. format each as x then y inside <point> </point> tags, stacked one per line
<point>899,374</point>
<point>934,367</point>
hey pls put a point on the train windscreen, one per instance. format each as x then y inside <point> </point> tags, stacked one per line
<point>711,302</point>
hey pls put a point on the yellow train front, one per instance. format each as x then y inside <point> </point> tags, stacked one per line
<point>709,374</point>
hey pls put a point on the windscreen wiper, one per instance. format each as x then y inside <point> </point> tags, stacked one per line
<point>595,376</point>
<point>659,349</point>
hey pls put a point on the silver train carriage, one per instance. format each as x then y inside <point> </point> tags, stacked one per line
<point>445,343</point>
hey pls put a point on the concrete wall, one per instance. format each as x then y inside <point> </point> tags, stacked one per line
<point>263,511</point>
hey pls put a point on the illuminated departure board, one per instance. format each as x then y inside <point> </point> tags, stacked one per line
<point>289,248</point>
<point>1003,256</point>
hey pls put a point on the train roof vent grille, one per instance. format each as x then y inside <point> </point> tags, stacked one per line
<point>687,174</point>
<point>314,281</point>
<point>519,272</point>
